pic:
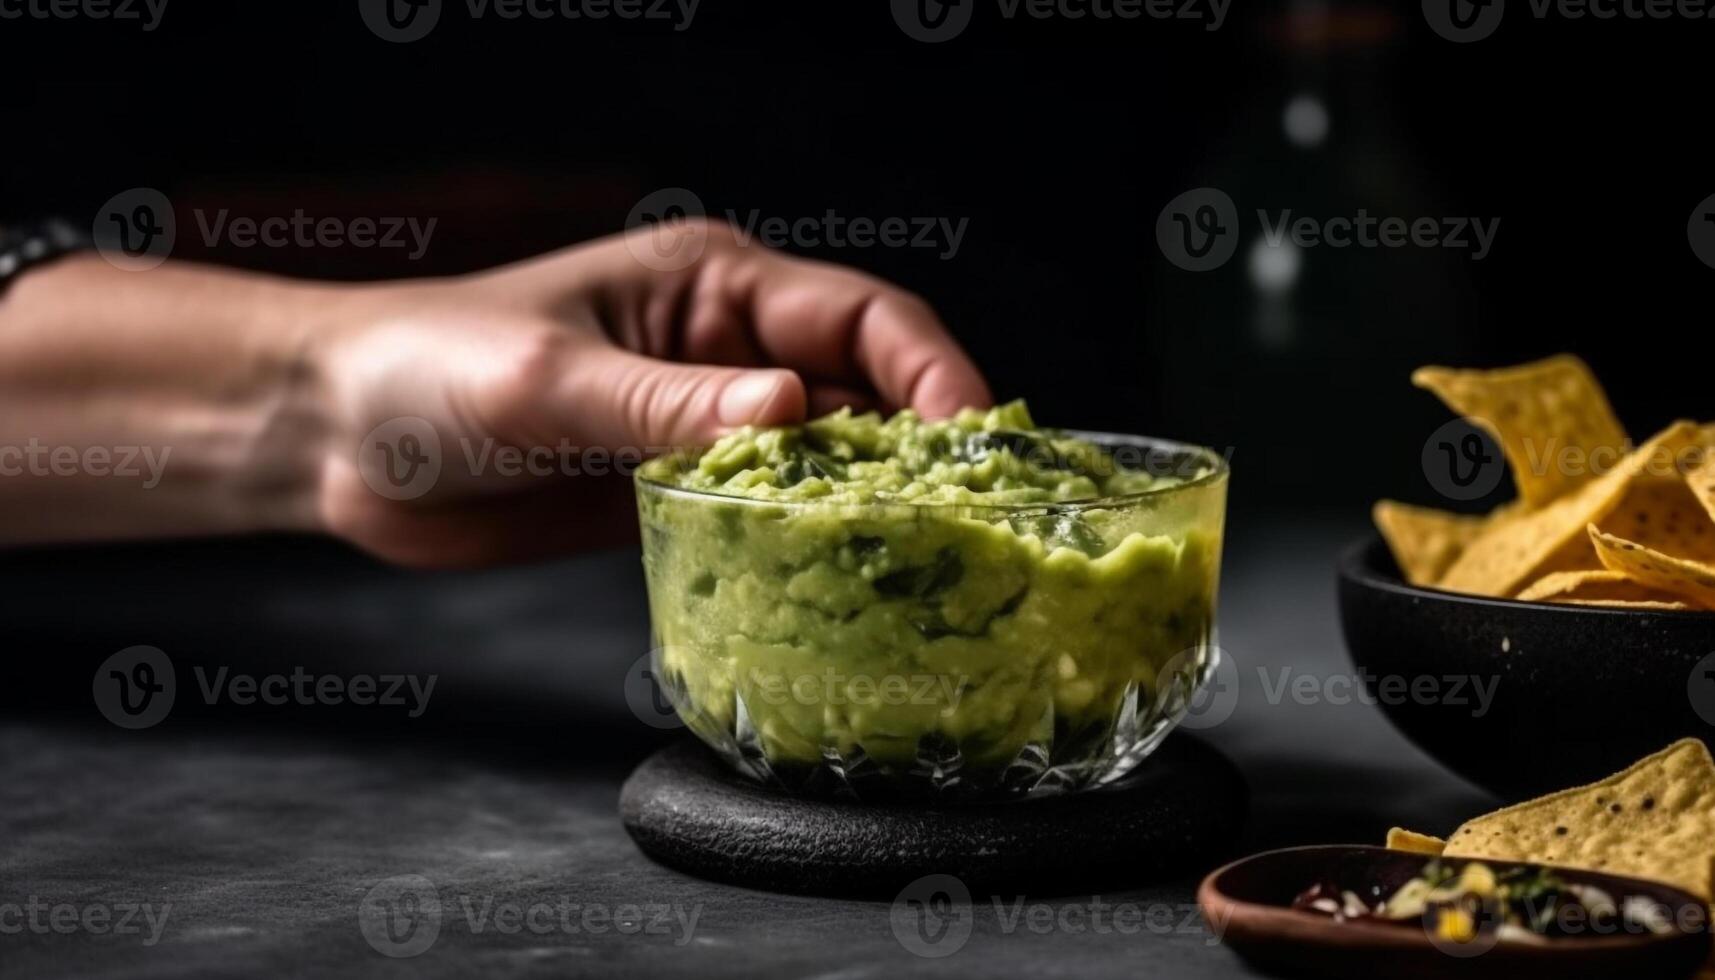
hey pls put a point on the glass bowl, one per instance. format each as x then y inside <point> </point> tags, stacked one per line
<point>882,651</point>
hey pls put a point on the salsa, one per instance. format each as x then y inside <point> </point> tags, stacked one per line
<point>1460,904</point>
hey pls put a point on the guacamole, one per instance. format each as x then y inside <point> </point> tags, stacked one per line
<point>972,604</point>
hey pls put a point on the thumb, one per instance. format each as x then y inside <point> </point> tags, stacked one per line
<point>626,399</point>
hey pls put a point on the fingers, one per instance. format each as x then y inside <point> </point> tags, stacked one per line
<point>825,398</point>
<point>546,522</point>
<point>615,398</point>
<point>839,324</point>
<point>742,303</point>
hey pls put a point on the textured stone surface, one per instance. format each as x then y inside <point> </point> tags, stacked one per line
<point>266,827</point>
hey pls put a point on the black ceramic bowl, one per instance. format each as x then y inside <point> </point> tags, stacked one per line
<point>1577,692</point>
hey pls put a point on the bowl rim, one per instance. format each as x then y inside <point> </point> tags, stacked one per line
<point>1355,566</point>
<point>1381,935</point>
<point>1218,472</point>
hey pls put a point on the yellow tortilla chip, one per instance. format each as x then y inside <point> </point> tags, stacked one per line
<point>1511,553</point>
<point>1400,839</point>
<point>1626,603</point>
<point>1425,541</point>
<point>1551,418</point>
<point>1655,820</point>
<point>1661,512</point>
<point>1576,555</point>
<point>1594,586</point>
<point>1701,480</point>
<point>1683,577</point>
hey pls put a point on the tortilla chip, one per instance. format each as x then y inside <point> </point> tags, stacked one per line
<point>1425,541</point>
<point>1701,480</point>
<point>1537,412</point>
<point>1664,514</point>
<point>1592,586</point>
<point>1521,550</point>
<point>1693,580</point>
<point>1574,556</point>
<point>1626,603</point>
<point>1400,839</point>
<point>1655,820</point>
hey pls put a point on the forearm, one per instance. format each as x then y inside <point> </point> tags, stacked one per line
<point>183,400</point>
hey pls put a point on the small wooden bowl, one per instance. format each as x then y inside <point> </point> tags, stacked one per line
<point>1248,905</point>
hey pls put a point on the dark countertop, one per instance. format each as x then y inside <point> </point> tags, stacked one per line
<point>261,829</point>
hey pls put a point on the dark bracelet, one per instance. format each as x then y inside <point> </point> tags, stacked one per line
<point>24,247</point>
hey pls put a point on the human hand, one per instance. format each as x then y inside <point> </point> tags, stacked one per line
<point>594,351</point>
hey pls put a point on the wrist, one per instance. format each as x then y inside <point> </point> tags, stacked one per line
<point>215,373</point>
<point>284,406</point>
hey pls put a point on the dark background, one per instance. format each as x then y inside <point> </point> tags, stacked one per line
<point>1059,140</point>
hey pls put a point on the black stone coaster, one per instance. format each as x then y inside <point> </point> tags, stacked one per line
<point>1178,812</point>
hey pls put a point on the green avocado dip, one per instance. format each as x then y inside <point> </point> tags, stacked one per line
<point>973,603</point>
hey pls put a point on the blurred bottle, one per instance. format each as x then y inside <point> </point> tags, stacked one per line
<point>1285,351</point>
